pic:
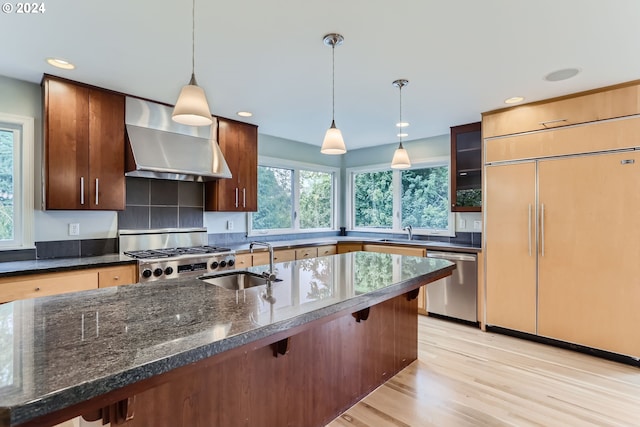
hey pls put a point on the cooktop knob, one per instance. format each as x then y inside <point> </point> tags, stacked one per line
<point>157,272</point>
<point>230,263</point>
<point>146,273</point>
<point>168,271</point>
<point>214,264</point>
<point>223,264</point>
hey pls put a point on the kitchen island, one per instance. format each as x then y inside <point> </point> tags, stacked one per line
<point>187,352</point>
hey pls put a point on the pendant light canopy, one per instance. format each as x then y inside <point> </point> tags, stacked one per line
<point>333,142</point>
<point>400,157</point>
<point>192,107</point>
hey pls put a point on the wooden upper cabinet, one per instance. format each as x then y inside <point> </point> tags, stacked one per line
<point>239,144</point>
<point>610,102</point>
<point>84,147</point>
<point>466,168</point>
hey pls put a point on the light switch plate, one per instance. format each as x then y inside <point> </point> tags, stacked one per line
<point>462,224</point>
<point>477,225</point>
<point>229,225</point>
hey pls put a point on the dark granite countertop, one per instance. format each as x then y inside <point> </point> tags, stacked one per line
<point>61,350</point>
<point>295,243</point>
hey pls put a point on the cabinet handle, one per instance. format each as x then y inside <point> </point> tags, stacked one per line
<point>549,122</point>
<point>529,229</point>
<point>82,190</point>
<point>37,289</point>
<point>116,277</point>
<point>244,197</point>
<point>97,184</point>
<point>236,197</point>
<point>542,228</point>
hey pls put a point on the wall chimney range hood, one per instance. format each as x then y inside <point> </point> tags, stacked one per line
<point>158,147</point>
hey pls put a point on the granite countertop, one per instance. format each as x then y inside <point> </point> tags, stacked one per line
<point>16,268</point>
<point>65,349</point>
<point>294,243</point>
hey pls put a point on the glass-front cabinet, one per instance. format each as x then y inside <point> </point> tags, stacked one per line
<point>466,168</point>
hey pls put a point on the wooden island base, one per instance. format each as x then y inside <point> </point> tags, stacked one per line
<point>327,366</point>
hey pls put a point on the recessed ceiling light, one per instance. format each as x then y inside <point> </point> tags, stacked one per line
<point>514,100</point>
<point>402,135</point>
<point>564,74</point>
<point>244,113</point>
<point>402,124</point>
<point>60,63</point>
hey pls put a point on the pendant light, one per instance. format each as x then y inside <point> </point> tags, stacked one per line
<point>333,142</point>
<point>192,107</point>
<point>400,157</point>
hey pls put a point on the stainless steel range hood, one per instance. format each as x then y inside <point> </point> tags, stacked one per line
<point>157,147</point>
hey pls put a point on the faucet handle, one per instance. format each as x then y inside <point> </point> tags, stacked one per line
<point>269,275</point>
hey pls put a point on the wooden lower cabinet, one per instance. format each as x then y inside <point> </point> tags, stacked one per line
<point>40,285</point>
<point>46,284</point>
<point>327,250</point>
<point>279,255</point>
<point>304,253</point>
<point>422,301</point>
<point>244,260</point>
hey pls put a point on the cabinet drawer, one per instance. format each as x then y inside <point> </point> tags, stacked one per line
<point>244,260</point>
<point>398,250</point>
<point>601,136</point>
<point>116,276</point>
<point>580,108</point>
<point>283,255</point>
<point>303,253</point>
<point>327,250</point>
<point>344,248</point>
<point>39,285</point>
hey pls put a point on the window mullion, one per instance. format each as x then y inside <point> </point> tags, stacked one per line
<point>295,186</point>
<point>397,200</point>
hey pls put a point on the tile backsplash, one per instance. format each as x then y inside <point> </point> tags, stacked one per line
<point>159,203</point>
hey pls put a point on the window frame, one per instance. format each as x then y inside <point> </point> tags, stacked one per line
<point>397,197</point>
<point>23,180</point>
<point>296,166</point>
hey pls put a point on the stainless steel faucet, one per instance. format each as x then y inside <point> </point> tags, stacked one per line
<point>269,275</point>
<point>409,229</point>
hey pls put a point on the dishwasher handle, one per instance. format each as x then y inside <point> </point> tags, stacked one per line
<point>451,256</point>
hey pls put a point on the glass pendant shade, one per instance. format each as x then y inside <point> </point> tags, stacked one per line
<point>400,159</point>
<point>192,107</point>
<point>333,142</point>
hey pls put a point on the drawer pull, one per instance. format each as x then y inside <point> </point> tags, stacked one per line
<point>116,277</point>
<point>37,289</point>
<point>549,122</point>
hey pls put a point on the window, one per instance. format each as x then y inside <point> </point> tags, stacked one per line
<point>294,197</point>
<point>385,199</point>
<point>16,181</point>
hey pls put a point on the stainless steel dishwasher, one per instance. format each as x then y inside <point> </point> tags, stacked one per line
<point>456,295</point>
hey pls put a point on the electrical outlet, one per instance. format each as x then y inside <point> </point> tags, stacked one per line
<point>74,229</point>
<point>229,225</point>
<point>477,225</point>
<point>462,224</point>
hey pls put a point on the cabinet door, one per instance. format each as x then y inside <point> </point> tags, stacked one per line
<point>589,285</point>
<point>106,151</point>
<point>582,108</point>
<point>344,248</point>
<point>66,140</point>
<point>303,253</point>
<point>244,261</point>
<point>510,249</point>
<point>466,168</point>
<point>239,144</point>
<point>327,250</point>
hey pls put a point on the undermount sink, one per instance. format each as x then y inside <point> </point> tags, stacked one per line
<point>237,280</point>
<point>395,241</point>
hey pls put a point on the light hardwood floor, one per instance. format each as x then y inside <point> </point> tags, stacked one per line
<point>465,377</point>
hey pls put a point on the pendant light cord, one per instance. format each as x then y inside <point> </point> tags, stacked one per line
<point>333,82</point>
<point>193,38</point>
<point>400,133</point>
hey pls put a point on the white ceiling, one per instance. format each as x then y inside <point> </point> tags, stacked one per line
<point>461,57</point>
